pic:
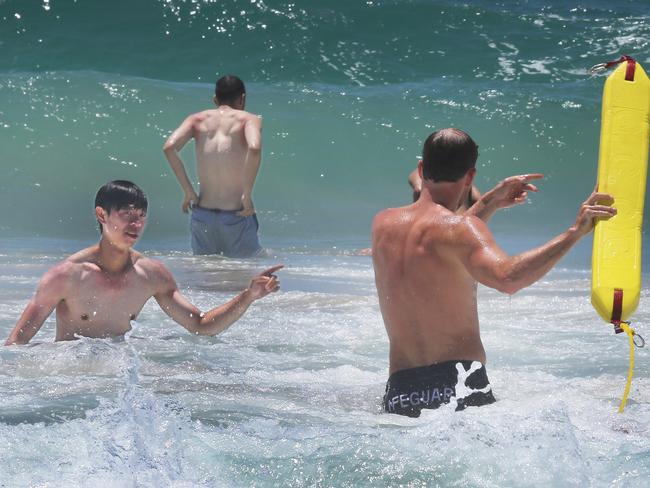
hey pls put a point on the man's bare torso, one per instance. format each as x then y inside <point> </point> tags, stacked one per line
<point>220,155</point>
<point>98,304</point>
<point>427,297</point>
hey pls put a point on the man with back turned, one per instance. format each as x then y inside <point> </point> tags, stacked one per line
<point>428,260</point>
<point>228,153</point>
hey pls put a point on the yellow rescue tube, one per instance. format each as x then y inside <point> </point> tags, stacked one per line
<point>622,171</point>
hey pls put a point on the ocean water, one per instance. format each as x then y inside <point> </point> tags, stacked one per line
<point>291,394</point>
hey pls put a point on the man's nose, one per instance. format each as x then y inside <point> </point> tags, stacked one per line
<point>136,221</point>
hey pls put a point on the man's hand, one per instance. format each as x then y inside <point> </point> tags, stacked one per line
<point>264,283</point>
<point>248,208</point>
<point>189,200</point>
<point>597,206</point>
<point>513,190</point>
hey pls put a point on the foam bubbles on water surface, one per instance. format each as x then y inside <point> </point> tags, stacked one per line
<point>291,395</point>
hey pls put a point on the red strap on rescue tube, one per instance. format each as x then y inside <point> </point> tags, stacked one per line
<point>631,66</point>
<point>617,309</point>
<point>629,72</point>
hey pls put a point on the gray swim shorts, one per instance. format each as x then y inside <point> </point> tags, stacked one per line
<point>224,232</point>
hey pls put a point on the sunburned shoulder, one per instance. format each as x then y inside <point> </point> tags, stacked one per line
<point>155,270</point>
<point>201,117</point>
<point>467,229</point>
<point>65,269</point>
<point>392,220</point>
<point>383,218</point>
<point>62,276</point>
<point>249,117</point>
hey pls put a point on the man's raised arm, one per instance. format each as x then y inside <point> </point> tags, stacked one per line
<point>172,147</point>
<point>507,193</point>
<point>50,292</point>
<point>491,266</point>
<point>253,135</point>
<point>174,304</point>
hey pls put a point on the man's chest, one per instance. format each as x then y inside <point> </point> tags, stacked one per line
<point>101,298</point>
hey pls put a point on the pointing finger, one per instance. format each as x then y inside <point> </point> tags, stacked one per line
<point>533,176</point>
<point>271,270</point>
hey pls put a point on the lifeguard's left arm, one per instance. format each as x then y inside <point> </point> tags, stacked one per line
<point>507,193</point>
<point>253,136</point>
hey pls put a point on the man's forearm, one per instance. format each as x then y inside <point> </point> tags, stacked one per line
<point>484,207</point>
<point>528,267</point>
<point>176,163</point>
<point>251,168</point>
<point>27,326</point>
<point>220,318</point>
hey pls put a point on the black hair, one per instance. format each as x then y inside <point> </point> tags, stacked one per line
<point>447,155</point>
<point>119,194</point>
<point>228,89</point>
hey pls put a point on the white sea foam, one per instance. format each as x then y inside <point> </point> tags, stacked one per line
<point>291,394</point>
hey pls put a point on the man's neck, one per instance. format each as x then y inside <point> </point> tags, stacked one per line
<point>224,106</point>
<point>446,194</point>
<point>111,259</point>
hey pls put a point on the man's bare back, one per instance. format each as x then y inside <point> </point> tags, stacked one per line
<point>427,262</point>
<point>427,297</point>
<point>223,138</point>
<point>228,155</point>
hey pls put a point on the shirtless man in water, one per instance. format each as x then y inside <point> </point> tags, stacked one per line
<point>228,144</point>
<point>427,262</point>
<point>98,291</point>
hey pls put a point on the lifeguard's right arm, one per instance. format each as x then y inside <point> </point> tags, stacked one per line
<point>491,266</point>
<point>174,144</point>
<point>49,293</point>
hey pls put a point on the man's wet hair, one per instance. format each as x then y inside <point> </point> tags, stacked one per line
<point>228,89</point>
<point>120,194</point>
<point>447,155</point>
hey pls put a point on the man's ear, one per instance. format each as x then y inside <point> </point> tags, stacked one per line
<point>469,177</point>
<point>101,215</point>
<point>215,100</point>
<point>420,169</point>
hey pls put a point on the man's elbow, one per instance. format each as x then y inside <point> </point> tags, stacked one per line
<point>507,283</point>
<point>203,327</point>
<point>508,287</point>
<point>169,147</point>
<point>15,341</point>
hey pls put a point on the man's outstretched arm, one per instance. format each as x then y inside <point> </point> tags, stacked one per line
<point>172,147</point>
<point>507,193</point>
<point>179,308</point>
<point>49,293</point>
<point>491,266</point>
<point>253,136</point>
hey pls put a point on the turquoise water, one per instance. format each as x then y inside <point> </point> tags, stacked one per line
<point>348,91</point>
<point>290,396</point>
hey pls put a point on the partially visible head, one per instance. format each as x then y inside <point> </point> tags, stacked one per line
<point>230,90</point>
<point>448,155</point>
<point>120,195</point>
